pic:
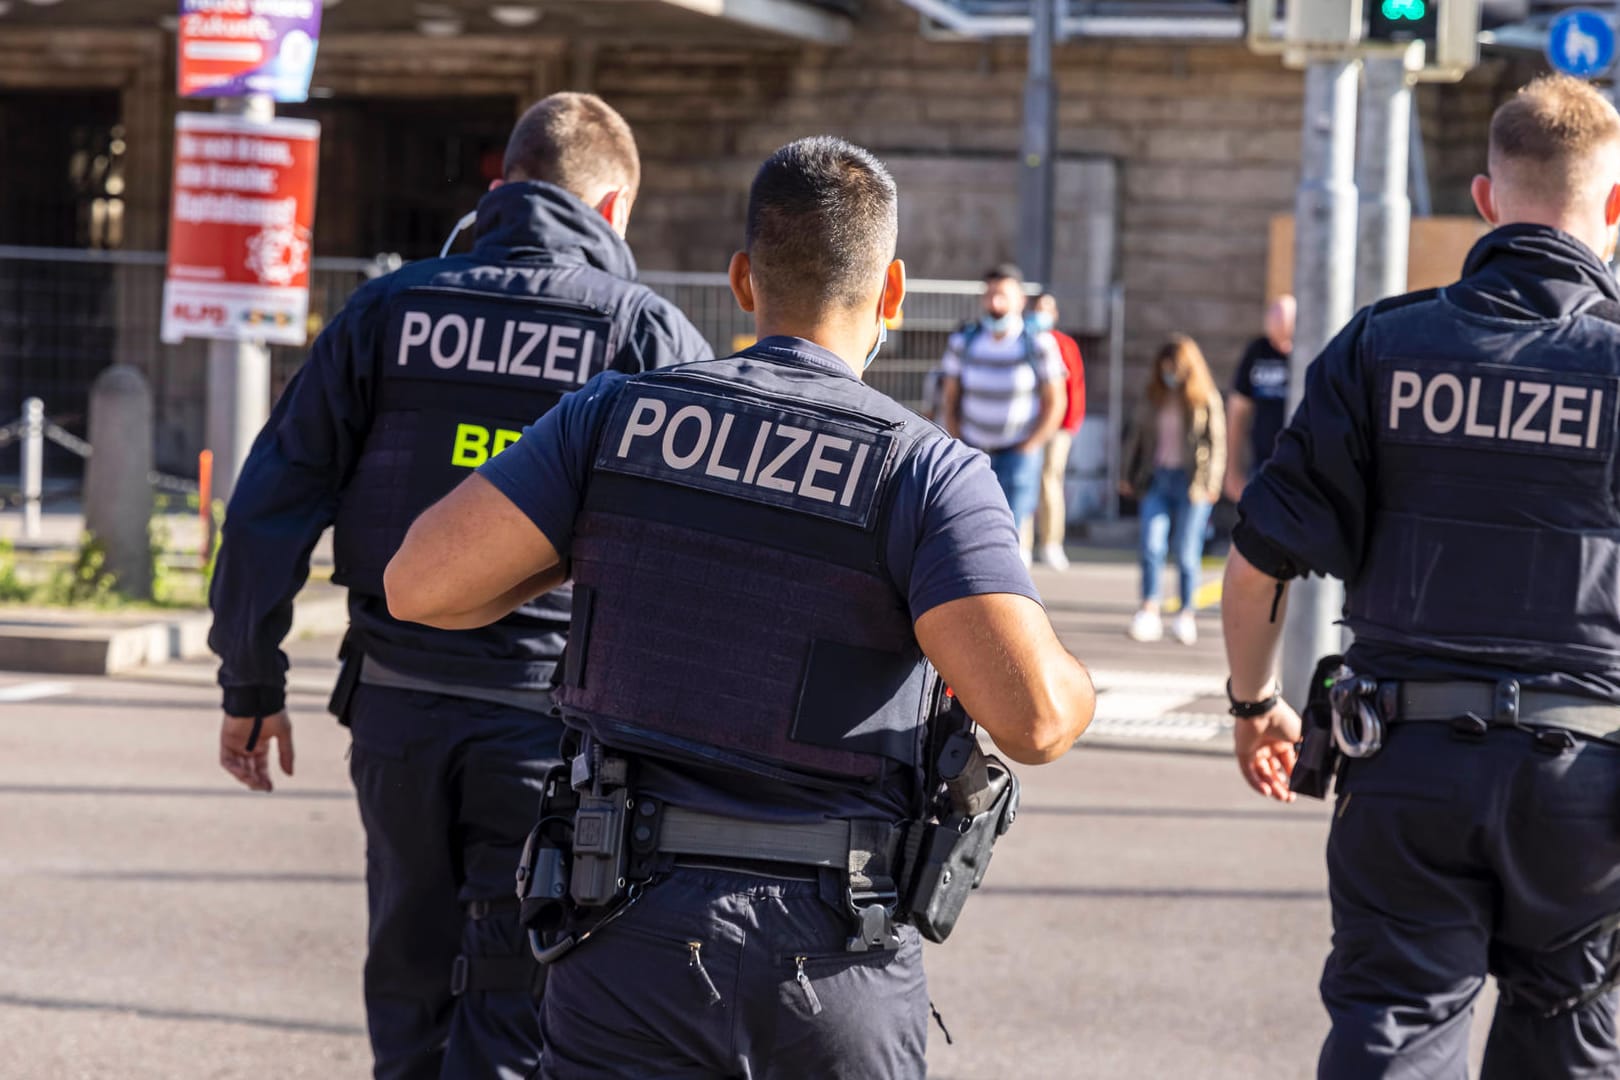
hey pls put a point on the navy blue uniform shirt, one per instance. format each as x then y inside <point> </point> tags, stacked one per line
<point>1453,461</point>
<point>950,535</point>
<point>534,242</point>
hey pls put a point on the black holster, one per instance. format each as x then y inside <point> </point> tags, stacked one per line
<point>948,855</point>
<point>348,681</point>
<point>1318,759</point>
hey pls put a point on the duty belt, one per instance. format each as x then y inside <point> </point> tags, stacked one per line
<point>863,850</point>
<point>1504,704</point>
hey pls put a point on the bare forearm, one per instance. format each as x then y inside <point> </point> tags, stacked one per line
<point>1046,425</point>
<point>501,606</point>
<point>1248,598</point>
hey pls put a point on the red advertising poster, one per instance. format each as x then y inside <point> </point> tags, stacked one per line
<point>240,228</point>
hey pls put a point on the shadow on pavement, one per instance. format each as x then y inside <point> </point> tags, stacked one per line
<point>1191,813</point>
<point>1109,892</point>
<point>146,1013</point>
<point>226,877</point>
<point>233,792</point>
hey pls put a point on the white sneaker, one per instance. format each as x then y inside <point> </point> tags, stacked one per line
<point>1146,626</point>
<point>1185,628</point>
<point>1052,555</point>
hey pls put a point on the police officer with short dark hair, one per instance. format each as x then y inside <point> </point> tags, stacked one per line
<point>766,555</point>
<point>1454,461</point>
<point>426,374</point>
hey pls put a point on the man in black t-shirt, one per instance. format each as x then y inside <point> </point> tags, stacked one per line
<point>1257,407</point>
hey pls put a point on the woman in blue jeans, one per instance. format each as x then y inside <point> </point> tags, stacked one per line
<point>1174,462</point>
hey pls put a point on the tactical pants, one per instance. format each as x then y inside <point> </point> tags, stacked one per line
<point>448,790</point>
<point>1452,857</point>
<point>734,976</point>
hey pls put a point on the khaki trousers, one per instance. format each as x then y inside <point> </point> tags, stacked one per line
<point>1051,518</point>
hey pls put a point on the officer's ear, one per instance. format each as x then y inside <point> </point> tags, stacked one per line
<point>1611,207</point>
<point>495,183</point>
<point>1484,199</point>
<point>615,207</point>
<point>741,273</point>
<point>894,290</point>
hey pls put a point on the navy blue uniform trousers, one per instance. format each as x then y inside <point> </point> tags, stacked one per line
<point>448,789</point>
<point>718,974</point>
<point>1452,858</point>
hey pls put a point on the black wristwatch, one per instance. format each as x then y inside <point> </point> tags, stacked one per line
<point>1248,710</point>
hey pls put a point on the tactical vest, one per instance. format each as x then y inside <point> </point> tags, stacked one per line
<point>1494,532</point>
<point>462,373</point>
<point>731,606</point>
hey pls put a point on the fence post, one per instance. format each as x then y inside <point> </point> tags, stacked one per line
<point>1116,395</point>
<point>33,464</point>
<point>118,485</point>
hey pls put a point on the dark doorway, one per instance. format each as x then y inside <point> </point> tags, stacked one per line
<point>396,173</point>
<point>61,186</point>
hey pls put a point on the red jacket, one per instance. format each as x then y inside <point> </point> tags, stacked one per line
<point>1077,381</point>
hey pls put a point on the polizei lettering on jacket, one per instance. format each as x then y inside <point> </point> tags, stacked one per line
<point>796,458</point>
<point>510,341</point>
<point>1494,407</point>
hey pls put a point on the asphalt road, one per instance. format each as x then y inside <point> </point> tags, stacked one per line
<point>1147,917</point>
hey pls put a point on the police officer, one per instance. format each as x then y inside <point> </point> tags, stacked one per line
<point>770,552</point>
<point>1455,462</point>
<point>426,374</point>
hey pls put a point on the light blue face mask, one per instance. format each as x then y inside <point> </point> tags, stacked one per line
<point>1044,321</point>
<point>1003,324</point>
<point>883,331</point>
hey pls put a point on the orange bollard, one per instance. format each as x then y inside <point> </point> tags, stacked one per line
<point>205,502</point>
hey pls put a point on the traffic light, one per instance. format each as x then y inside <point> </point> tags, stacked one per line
<point>1404,20</point>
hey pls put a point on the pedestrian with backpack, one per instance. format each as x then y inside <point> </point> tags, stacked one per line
<point>1003,390</point>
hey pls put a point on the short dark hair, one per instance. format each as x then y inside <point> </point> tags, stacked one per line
<point>1004,272</point>
<point>822,224</point>
<point>578,142</point>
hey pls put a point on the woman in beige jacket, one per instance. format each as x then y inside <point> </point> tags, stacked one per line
<point>1174,462</point>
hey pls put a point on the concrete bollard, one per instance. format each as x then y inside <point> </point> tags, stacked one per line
<point>33,465</point>
<point>118,486</point>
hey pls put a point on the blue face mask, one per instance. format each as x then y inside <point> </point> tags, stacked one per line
<point>1044,321</point>
<point>1004,324</point>
<point>883,331</point>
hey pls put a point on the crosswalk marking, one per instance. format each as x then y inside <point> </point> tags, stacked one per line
<point>1154,704</point>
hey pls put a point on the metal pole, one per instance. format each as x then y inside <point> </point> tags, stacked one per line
<point>1116,393</point>
<point>1418,164</point>
<point>238,371</point>
<point>33,464</point>
<point>1384,213</point>
<point>1324,262</point>
<point>1037,160</point>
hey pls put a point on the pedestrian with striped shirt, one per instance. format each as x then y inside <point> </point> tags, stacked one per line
<point>1003,390</point>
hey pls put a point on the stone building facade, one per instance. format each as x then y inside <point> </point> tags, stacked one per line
<point>1174,156</point>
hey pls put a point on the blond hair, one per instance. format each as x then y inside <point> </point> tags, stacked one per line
<point>1552,136</point>
<point>1197,385</point>
<point>578,142</point>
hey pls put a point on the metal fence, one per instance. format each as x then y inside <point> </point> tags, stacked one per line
<point>65,314</point>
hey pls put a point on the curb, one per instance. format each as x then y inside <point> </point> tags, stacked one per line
<point>65,642</point>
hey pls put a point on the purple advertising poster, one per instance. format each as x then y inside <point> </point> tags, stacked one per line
<point>232,48</point>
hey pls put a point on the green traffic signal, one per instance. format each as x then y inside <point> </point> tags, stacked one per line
<point>1395,10</point>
